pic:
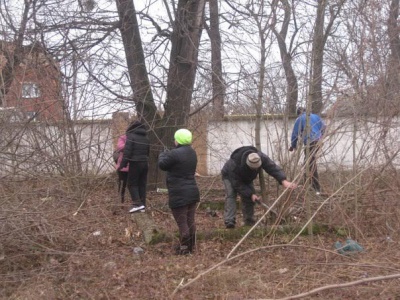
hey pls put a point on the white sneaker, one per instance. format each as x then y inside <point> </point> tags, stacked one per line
<point>137,208</point>
<point>317,193</point>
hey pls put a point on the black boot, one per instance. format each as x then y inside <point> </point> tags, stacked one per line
<point>184,247</point>
<point>192,242</point>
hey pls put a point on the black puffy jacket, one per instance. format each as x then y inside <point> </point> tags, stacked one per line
<point>180,165</point>
<point>241,176</point>
<point>137,146</point>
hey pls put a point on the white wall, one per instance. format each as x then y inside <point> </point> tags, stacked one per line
<point>35,148</point>
<point>377,141</point>
<point>29,150</point>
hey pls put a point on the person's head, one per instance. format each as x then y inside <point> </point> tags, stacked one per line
<point>183,137</point>
<point>134,125</point>
<point>253,161</point>
<point>300,110</point>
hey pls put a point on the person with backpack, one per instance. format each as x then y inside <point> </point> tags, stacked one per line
<point>238,174</point>
<point>122,173</point>
<point>180,164</point>
<point>311,139</point>
<point>136,154</point>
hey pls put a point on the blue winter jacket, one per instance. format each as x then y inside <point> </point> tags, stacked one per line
<point>317,128</point>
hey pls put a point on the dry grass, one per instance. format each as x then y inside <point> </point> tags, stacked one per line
<point>64,241</point>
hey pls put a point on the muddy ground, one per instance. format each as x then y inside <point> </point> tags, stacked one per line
<point>60,241</point>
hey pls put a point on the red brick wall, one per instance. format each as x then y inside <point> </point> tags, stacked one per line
<point>49,104</point>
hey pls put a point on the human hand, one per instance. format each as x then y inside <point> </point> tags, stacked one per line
<point>289,185</point>
<point>255,198</point>
<point>123,164</point>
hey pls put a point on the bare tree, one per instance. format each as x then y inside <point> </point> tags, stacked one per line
<point>218,83</point>
<point>12,48</point>
<point>286,56</point>
<point>321,34</point>
<point>185,40</point>
<point>183,62</point>
<point>142,95</point>
<point>393,77</point>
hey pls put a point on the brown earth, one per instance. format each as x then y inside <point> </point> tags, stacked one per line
<point>75,241</point>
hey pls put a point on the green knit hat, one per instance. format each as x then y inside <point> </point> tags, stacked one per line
<point>183,137</point>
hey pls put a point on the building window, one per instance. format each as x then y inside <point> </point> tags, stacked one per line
<point>31,115</point>
<point>30,90</point>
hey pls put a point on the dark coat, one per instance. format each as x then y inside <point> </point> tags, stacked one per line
<point>241,176</point>
<point>137,146</point>
<point>180,165</point>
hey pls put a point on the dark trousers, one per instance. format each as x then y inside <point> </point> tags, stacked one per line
<point>185,219</point>
<point>122,182</point>
<point>137,181</point>
<point>312,158</point>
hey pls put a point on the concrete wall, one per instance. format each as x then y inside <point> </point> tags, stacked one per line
<point>38,148</point>
<point>29,149</point>
<point>377,141</point>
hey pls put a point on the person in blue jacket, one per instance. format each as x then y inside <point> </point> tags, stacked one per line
<point>317,128</point>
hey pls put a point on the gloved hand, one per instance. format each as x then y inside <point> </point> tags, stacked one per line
<point>291,149</point>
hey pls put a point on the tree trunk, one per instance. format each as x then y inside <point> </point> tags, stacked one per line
<point>291,80</point>
<point>140,84</point>
<point>218,83</point>
<point>261,28</point>
<point>183,63</point>
<point>142,95</point>
<point>317,59</point>
<point>393,79</point>
<point>319,41</point>
<point>13,55</point>
<point>182,71</point>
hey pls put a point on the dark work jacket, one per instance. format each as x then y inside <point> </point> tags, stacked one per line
<point>180,165</point>
<point>241,176</point>
<point>137,146</point>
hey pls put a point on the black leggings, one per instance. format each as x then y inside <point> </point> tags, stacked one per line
<point>137,181</point>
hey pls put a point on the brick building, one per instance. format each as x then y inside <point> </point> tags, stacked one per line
<point>31,82</point>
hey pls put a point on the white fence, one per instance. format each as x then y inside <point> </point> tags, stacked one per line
<point>376,142</point>
<point>38,148</point>
<point>47,149</point>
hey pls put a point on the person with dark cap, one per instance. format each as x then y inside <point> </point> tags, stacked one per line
<point>136,154</point>
<point>310,139</point>
<point>238,174</point>
<point>183,193</point>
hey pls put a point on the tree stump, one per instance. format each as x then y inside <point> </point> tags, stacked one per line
<point>151,233</point>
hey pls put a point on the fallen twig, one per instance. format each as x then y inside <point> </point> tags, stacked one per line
<point>339,285</point>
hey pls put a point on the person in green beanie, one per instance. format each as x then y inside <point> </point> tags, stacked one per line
<point>183,193</point>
